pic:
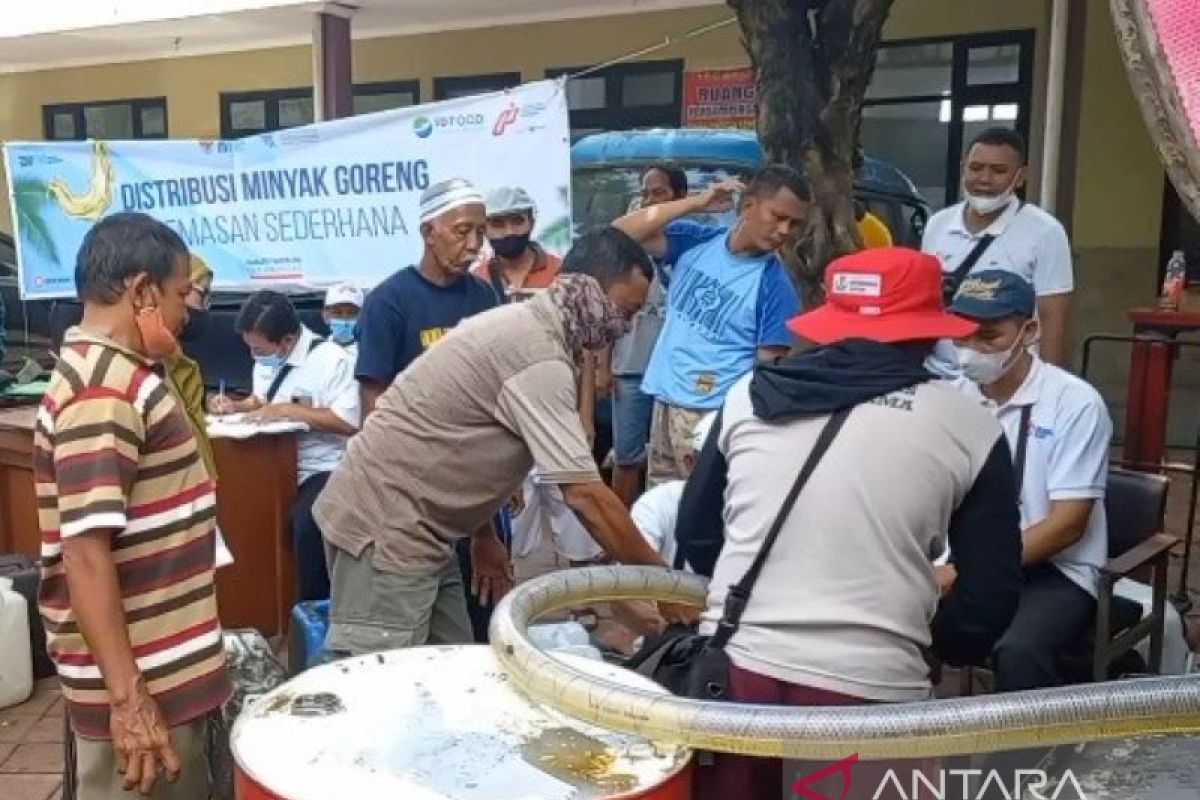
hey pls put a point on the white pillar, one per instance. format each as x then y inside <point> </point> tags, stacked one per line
<point>1055,86</point>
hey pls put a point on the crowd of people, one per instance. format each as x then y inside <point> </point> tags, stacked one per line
<point>956,513</point>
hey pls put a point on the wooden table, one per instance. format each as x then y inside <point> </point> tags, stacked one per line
<point>1147,406</point>
<point>19,531</point>
<point>255,490</point>
<point>254,498</point>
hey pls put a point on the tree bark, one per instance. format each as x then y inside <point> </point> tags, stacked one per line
<point>813,60</point>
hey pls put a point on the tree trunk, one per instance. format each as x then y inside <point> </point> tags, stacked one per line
<point>813,60</point>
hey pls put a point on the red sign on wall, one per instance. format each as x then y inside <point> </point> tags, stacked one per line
<point>720,99</point>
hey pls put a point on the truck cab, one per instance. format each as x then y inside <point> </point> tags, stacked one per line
<point>607,168</point>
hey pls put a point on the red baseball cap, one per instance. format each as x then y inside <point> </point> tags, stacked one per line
<point>886,294</point>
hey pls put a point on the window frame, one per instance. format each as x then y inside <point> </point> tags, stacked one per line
<point>270,97</point>
<point>77,111</point>
<point>411,86</point>
<point>616,116</point>
<point>485,82</point>
<point>963,94</point>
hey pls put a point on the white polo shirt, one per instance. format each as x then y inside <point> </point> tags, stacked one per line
<point>1066,458</point>
<point>1029,242</point>
<point>325,374</point>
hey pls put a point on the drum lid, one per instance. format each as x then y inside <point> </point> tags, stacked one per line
<point>438,723</point>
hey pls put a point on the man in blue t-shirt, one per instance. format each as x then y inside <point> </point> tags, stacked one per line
<point>729,301</point>
<point>407,313</point>
<point>410,311</point>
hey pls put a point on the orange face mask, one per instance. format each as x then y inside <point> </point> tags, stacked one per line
<point>157,339</point>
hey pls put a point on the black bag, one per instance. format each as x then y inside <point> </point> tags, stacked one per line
<point>693,665</point>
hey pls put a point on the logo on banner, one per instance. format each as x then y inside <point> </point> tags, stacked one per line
<point>506,119</point>
<point>422,127</point>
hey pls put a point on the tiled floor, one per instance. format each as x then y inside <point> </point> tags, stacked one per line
<point>31,736</point>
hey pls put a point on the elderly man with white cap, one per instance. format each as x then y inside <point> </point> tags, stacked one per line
<point>518,263</point>
<point>416,306</point>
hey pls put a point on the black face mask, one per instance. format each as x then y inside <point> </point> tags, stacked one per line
<point>193,329</point>
<point>510,246</point>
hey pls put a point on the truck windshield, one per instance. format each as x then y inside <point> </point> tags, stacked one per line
<point>601,194</point>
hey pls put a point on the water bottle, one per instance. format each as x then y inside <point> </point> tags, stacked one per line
<point>1174,282</point>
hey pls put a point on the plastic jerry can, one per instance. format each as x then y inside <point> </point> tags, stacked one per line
<point>16,662</point>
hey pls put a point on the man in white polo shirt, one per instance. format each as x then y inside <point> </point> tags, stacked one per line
<point>1059,431</point>
<point>993,229</point>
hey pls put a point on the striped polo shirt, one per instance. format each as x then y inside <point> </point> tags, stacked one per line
<point>114,451</point>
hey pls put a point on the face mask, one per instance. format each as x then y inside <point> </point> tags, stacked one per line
<point>984,204</point>
<point>194,328</point>
<point>270,360</point>
<point>158,342</point>
<point>342,330</point>
<point>987,368</point>
<point>510,246</point>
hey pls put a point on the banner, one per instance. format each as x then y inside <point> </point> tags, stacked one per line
<point>300,208</point>
<point>720,99</point>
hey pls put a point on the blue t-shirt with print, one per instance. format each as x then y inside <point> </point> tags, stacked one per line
<point>721,308</point>
<point>406,314</point>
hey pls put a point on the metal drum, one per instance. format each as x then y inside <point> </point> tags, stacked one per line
<point>440,723</point>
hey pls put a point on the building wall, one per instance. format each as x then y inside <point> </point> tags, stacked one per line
<point>1119,179</point>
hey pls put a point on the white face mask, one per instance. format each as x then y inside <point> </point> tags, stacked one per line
<point>987,204</point>
<point>987,368</point>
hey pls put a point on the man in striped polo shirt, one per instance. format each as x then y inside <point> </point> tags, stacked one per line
<point>127,511</point>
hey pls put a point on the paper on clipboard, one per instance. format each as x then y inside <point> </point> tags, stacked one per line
<point>235,426</point>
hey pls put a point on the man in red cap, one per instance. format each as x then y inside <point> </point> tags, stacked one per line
<point>846,603</point>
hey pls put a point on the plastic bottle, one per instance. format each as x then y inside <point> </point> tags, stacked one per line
<point>1174,282</point>
<point>16,662</point>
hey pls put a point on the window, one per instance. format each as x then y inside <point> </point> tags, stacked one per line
<point>144,118</point>
<point>928,98</point>
<point>249,113</point>
<point>643,94</point>
<point>372,97</point>
<point>452,88</point>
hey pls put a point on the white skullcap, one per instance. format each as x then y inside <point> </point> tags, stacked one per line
<point>447,195</point>
<point>702,429</point>
<point>344,293</point>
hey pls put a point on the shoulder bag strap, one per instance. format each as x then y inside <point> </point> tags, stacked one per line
<point>952,281</point>
<point>1019,456</point>
<point>286,370</point>
<point>739,593</point>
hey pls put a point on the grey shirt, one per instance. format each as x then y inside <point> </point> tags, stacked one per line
<point>631,353</point>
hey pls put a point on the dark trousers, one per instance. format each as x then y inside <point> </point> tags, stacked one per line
<point>1053,615</point>
<point>308,546</point>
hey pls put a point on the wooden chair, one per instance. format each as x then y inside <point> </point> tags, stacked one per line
<point>1136,504</point>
